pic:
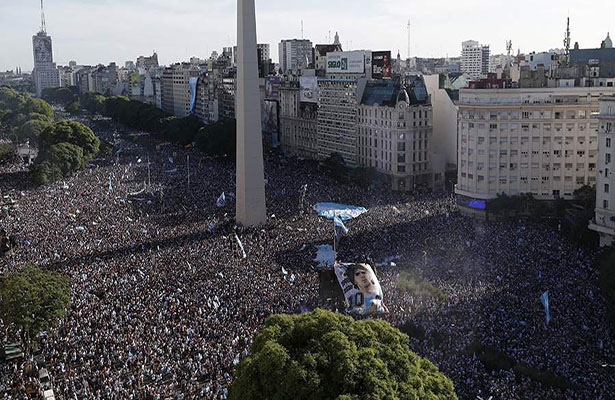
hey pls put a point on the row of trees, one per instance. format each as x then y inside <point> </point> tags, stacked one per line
<point>17,109</point>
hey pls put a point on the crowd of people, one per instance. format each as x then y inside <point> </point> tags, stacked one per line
<point>164,305</point>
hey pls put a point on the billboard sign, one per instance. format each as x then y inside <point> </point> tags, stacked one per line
<point>381,64</point>
<point>348,62</point>
<point>362,291</point>
<point>272,87</point>
<point>309,89</point>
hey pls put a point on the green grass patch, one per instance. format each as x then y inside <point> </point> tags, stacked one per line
<point>409,282</point>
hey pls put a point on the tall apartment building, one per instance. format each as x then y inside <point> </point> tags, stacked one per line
<point>604,223</point>
<point>298,120</point>
<point>541,141</point>
<point>474,59</point>
<point>338,101</point>
<point>295,54</point>
<point>175,89</point>
<point>45,73</point>
<point>394,130</point>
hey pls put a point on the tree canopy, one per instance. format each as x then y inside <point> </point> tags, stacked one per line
<point>322,355</point>
<point>64,147</point>
<point>70,132</point>
<point>218,138</point>
<point>34,299</point>
<point>31,130</point>
<point>17,108</point>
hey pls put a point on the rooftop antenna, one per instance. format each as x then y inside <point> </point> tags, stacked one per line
<point>43,27</point>
<point>567,38</point>
<point>408,38</point>
<point>301,29</point>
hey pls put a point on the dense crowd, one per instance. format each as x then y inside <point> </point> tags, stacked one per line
<point>164,305</point>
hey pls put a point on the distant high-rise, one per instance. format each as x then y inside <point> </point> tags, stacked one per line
<point>45,73</point>
<point>474,59</point>
<point>295,54</point>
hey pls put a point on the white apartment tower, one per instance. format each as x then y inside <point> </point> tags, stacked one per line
<point>604,222</point>
<point>540,141</point>
<point>45,73</point>
<point>295,54</point>
<point>474,59</point>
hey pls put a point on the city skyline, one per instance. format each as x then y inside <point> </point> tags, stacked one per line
<point>85,31</point>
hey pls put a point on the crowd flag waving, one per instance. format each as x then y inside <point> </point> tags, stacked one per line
<point>544,299</point>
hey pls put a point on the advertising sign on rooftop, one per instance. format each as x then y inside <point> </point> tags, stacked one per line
<point>381,64</point>
<point>348,62</point>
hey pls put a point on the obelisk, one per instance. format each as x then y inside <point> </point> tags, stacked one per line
<point>250,201</point>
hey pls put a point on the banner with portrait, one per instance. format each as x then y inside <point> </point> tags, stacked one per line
<point>361,289</point>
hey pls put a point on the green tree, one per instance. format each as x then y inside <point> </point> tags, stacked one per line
<point>66,157</point>
<point>31,130</point>
<point>73,108</point>
<point>336,167</point>
<point>218,138</point>
<point>7,154</point>
<point>70,132</point>
<point>322,355</point>
<point>33,299</point>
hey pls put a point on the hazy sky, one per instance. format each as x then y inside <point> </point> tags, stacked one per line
<point>101,31</point>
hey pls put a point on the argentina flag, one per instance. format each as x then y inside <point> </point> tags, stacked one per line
<point>339,229</point>
<point>544,299</point>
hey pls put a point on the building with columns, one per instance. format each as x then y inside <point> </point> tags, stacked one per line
<point>604,223</point>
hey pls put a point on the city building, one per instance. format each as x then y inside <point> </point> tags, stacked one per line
<point>541,141</point>
<point>474,59</point>
<point>394,130</point>
<point>444,91</point>
<point>604,223</point>
<point>299,118</point>
<point>295,55</point>
<point>45,74</point>
<point>175,88</point>
<point>148,62</point>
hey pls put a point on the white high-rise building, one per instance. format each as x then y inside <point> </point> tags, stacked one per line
<point>540,141</point>
<point>604,223</point>
<point>474,59</point>
<point>295,54</point>
<point>45,73</point>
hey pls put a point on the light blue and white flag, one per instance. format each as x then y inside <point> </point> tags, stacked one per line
<point>339,229</point>
<point>221,202</point>
<point>544,299</point>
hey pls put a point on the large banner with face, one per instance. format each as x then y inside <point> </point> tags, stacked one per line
<point>361,289</point>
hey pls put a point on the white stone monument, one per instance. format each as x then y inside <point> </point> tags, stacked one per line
<point>250,205</point>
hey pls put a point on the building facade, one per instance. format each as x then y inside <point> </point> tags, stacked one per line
<point>394,130</point>
<point>295,54</point>
<point>540,141</point>
<point>338,101</point>
<point>604,223</point>
<point>298,123</point>
<point>474,59</point>
<point>45,73</point>
<point>175,88</point>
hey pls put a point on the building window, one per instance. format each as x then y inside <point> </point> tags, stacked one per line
<point>605,204</point>
<point>606,188</point>
<point>608,142</point>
